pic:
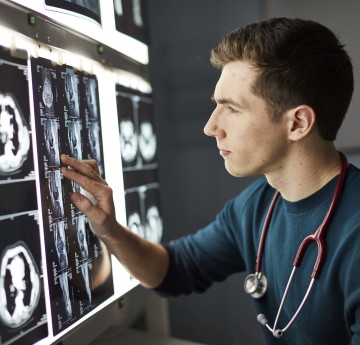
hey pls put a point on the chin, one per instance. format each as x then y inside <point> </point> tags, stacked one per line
<point>238,172</point>
<point>235,172</point>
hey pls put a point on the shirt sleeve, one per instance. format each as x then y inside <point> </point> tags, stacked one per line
<point>199,259</point>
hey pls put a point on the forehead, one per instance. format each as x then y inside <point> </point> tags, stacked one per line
<point>236,80</point>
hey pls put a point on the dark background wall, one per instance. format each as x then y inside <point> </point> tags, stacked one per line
<point>194,183</point>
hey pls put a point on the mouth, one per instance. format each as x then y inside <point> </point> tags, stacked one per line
<point>224,153</point>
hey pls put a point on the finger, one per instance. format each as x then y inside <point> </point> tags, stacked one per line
<point>83,167</point>
<point>92,186</point>
<point>92,163</point>
<point>85,206</point>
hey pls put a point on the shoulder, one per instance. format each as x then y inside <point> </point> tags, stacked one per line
<point>350,193</point>
<point>353,176</point>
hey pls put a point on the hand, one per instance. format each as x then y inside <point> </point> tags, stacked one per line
<point>101,211</point>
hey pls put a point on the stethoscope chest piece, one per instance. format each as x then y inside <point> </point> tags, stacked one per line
<point>255,284</point>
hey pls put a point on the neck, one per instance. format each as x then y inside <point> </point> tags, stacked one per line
<point>305,172</point>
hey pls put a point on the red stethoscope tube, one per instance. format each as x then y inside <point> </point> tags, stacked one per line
<point>256,284</point>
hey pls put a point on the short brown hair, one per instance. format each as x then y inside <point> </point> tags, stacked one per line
<point>298,62</point>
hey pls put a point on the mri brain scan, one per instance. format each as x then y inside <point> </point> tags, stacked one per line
<point>47,94</point>
<point>71,93</point>
<point>14,135</point>
<point>154,225</point>
<point>147,141</point>
<point>134,223</point>
<point>128,141</point>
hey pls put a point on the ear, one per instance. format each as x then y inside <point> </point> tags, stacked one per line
<point>301,121</point>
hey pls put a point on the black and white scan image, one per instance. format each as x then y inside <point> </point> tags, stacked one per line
<point>136,129</point>
<point>74,139</point>
<point>138,144</point>
<point>83,262</point>
<point>72,93</point>
<point>129,138</point>
<point>62,272</point>
<point>92,127</point>
<point>14,135</point>
<point>22,303</point>
<point>130,18</point>
<point>16,155</point>
<point>48,91</point>
<point>147,137</point>
<point>134,211</point>
<point>52,144</point>
<point>70,125</point>
<point>152,220</point>
<point>56,209</point>
<point>143,211</point>
<point>85,8</point>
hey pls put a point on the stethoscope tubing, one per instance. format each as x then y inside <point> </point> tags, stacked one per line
<point>318,237</point>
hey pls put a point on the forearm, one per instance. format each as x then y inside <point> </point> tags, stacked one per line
<point>146,261</point>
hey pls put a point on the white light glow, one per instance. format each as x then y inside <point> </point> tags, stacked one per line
<point>105,34</point>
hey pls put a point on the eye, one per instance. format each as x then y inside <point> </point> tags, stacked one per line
<point>231,109</point>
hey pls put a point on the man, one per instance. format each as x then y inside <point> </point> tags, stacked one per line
<point>283,92</point>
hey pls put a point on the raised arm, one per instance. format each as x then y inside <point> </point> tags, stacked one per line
<point>145,260</point>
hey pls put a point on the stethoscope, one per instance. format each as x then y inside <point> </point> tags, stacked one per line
<point>256,284</point>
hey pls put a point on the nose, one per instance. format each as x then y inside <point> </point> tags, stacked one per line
<point>212,128</point>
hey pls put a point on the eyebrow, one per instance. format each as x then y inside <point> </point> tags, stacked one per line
<point>226,101</point>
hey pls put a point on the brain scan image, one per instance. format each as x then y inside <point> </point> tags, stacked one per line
<point>61,251</point>
<point>84,254</point>
<point>56,197</point>
<point>147,141</point>
<point>135,225</point>
<point>128,141</point>
<point>94,140</point>
<point>91,99</point>
<point>75,146</point>
<point>74,139</point>
<point>47,93</point>
<point>153,225</point>
<point>72,95</point>
<point>60,245</point>
<point>19,285</point>
<point>136,12</point>
<point>14,136</point>
<point>51,137</point>
<point>118,7</point>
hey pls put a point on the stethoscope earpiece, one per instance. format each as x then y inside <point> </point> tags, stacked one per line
<point>278,333</point>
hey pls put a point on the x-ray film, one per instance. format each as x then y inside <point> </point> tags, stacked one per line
<point>138,144</point>
<point>130,18</point>
<point>16,156</point>
<point>22,303</point>
<point>84,8</point>
<point>67,119</point>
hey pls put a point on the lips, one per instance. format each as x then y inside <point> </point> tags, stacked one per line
<point>224,153</point>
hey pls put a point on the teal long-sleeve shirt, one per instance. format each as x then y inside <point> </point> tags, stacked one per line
<point>331,315</point>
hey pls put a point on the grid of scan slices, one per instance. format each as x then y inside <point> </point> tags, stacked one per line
<point>67,120</point>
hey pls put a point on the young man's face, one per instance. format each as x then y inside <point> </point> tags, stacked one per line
<point>248,140</point>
